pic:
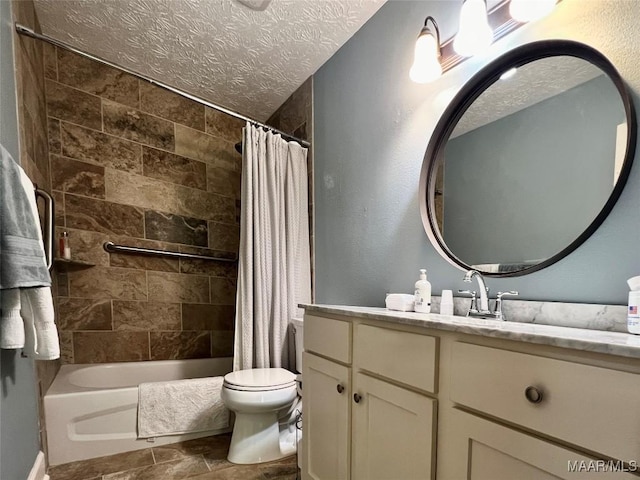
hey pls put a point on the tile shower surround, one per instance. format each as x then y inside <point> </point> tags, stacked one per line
<point>135,164</point>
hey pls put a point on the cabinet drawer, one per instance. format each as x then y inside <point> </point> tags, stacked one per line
<point>592,407</point>
<point>409,358</point>
<point>328,337</point>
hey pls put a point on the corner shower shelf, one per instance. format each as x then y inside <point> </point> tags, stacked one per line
<point>65,265</point>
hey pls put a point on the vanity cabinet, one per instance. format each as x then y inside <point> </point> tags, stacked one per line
<point>595,408</point>
<point>393,431</point>
<point>592,408</point>
<point>384,400</point>
<point>487,450</point>
<point>368,415</point>
<point>327,418</point>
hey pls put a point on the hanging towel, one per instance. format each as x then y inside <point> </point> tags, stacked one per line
<point>26,304</point>
<point>181,406</point>
<point>11,326</point>
<point>22,259</point>
<point>41,334</point>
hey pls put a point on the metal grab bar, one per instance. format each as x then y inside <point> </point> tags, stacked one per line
<point>49,228</point>
<point>113,248</point>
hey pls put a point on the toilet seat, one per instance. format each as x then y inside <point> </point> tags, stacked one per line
<point>260,379</point>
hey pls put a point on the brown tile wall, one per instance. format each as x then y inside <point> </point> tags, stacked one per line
<point>295,117</point>
<point>138,165</point>
<point>34,155</point>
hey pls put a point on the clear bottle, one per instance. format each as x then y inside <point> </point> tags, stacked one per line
<point>423,293</point>
<point>64,249</point>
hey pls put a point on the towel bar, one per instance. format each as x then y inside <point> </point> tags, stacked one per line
<point>49,229</point>
<point>113,248</point>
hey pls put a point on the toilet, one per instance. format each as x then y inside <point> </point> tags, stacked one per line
<point>259,397</point>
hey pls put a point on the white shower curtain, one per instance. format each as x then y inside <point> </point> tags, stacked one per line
<point>274,270</point>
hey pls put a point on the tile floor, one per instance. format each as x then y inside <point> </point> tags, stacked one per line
<point>199,459</point>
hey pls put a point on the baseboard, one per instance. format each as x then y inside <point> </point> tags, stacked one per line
<point>39,469</point>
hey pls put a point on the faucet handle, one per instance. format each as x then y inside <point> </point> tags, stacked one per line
<point>498,312</point>
<point>473,307</point>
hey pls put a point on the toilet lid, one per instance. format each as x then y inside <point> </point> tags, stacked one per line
<point>260,379</point>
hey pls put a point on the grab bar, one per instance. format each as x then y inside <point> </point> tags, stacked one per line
<point>113,248</point>
<point>49,227</point>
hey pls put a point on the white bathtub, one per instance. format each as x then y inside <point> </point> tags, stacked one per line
<point>91,410</point>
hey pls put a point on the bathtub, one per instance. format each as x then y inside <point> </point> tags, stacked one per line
<point>91,410</point>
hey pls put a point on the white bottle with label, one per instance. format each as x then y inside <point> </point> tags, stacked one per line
<point>423,294</point>
<point>633,311</point>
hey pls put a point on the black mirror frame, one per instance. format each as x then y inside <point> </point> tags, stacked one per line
<point>471,91</point>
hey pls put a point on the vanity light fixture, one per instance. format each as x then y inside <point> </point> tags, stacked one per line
<point>529,10</point>
<point>474,34</point>
<point>426,62</point>
<point>479,28</point>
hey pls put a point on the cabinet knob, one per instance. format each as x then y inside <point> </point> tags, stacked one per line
<point>533,394</point>
<point>356,398</point>
<point>340,388</point>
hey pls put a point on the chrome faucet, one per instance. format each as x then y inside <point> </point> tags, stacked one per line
<point>483,310</point>
<point>483,307</point>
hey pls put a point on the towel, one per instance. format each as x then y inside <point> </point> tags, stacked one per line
<point>26,304</point>
<point>41,334</point>
<point>22,259</point>
<point>181,406</point>
<point>400,301</point>
<point>11,326</point>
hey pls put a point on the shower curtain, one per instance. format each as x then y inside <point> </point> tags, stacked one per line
<point>274,270</point>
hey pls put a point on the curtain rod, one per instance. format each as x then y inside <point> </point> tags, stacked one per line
<point>21,29</point>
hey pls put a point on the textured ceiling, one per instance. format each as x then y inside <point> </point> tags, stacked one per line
<point>221,50</point>
<point>532,83</point>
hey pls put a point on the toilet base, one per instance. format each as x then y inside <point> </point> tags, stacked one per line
<point>257,439</point>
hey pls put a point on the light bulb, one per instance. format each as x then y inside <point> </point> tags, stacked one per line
<point>474,35</point>
<point>426,64</point>
<point>529,10</point>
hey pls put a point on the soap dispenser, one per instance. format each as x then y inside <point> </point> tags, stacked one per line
<point>423,293</point>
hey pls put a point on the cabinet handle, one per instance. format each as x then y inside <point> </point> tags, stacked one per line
<point>340,388</point>
<point>356,398</point>
<point>533,394</point>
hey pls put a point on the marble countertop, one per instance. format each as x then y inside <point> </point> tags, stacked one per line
<point>611,343</point>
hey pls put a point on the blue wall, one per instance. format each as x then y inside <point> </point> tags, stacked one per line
<point>19,436</point>
<point>550,164</point>
<point>371,129</point>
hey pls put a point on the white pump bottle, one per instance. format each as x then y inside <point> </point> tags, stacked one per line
<point>423,293</point>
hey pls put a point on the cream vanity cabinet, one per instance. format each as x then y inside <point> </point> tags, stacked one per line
<point>570,408</point>
<point>369,410</point>
<point>506,409</point>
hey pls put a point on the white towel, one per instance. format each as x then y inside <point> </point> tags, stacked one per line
<point>11,326</point>
<point>27,318</point>
<point>181,406</point>
<point>41,334</point>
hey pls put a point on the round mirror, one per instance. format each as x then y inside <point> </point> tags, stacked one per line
<point>528,159</point>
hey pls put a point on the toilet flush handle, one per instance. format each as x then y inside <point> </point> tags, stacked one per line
<point>340,388</point>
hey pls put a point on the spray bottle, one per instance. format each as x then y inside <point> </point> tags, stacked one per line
<point>633,313</point>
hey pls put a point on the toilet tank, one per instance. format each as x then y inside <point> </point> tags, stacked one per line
<point>298,324</point>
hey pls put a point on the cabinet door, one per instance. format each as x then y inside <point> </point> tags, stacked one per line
<point>393,432</point>
<point>326,419</point>
<point>485,450</point>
